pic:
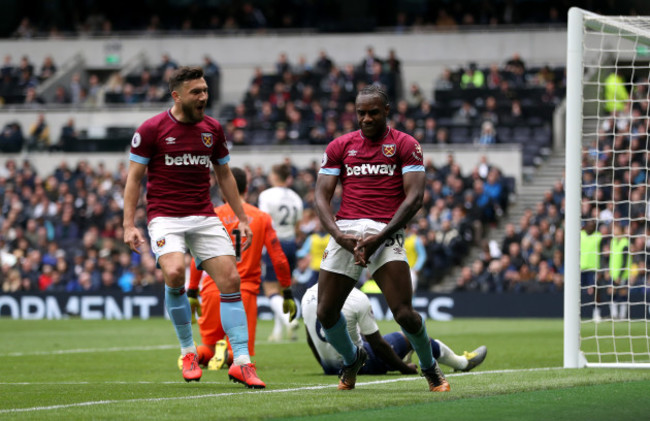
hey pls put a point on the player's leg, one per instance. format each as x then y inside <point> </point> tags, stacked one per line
<point>210,321</point>
<point>280,319</point>
<point>168,244</point>
<point>212,249</point>
<point>250,306</point>
<point>223,270</point>
<point>333,289</point>
<point>395,283</point>
<point>393,277</point>
<point>178,309</point>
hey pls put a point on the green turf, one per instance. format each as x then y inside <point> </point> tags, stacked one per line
<point>77,369</point>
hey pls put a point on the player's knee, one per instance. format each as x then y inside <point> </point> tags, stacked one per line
<point>406,317</point>
<point>175,276</point>
<point>325,316</point>
<point>230,283</point>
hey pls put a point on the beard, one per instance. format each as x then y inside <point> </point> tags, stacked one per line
<point>192,114</point>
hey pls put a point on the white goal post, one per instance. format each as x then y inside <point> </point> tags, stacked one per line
<point>606,210</point>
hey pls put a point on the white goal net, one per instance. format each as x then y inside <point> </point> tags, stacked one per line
<point>607,288</point>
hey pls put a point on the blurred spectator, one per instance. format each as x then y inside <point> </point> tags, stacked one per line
<point>323,64</point>
<point>488,134</point>
<point>472,77</point>
<point>415,96</point>
<point>25,30</point>
<point>61,96</point>
<point>493,78</point>
<point>48,68</point>
<point>444,81</point>
<point>368,62</point>
<point>11,138</point>
<point>466,114</point>
<point>252,18</point>
<point>69,137</point>
<point>95,91</point>
<point>76,89</point>
<point>39,135</point>
<point>166,63</point>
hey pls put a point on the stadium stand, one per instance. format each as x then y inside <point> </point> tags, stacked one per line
<point>65,226</point>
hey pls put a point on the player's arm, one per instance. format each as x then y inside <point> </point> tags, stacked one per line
<point>414,182</point>
<point>325,186</point>
<point>281,267</point>
<point>193,290</point>
<point>132,235</point>
<point>229,191</point>
<point>386,353</point>
<point>278,258</point>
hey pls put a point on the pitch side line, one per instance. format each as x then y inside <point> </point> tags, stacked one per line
<point>114,349</point>
<point>219,395</point>
<point>89,350</point>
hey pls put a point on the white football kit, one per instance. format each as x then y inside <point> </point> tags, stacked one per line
<point>358,315</point>
<point>285,207</point>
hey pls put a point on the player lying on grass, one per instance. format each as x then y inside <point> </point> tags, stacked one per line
<point>390,352</point>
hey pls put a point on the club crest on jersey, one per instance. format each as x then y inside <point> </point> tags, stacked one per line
<point>325,253</point>
<point>207,139</point>
<point>388,150</point>
<point>160,242</point>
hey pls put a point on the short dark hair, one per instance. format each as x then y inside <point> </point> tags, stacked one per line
<point>282,171</point>
<point>374,90</point>
<point>183,74</point>
<point>240,179</point>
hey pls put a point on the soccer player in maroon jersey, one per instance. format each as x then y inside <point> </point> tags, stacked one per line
<point>177,148</point>
<point>383,179</point>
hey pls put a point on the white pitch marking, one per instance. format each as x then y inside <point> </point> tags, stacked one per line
<point>218,395</point>
<point>89,350</point>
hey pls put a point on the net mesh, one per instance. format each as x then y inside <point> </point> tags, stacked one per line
<point>615,231</point>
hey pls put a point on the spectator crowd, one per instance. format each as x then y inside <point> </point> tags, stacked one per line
<point>63,231</point>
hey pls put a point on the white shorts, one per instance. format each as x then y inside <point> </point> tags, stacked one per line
<point>338,260</point>
<point>204,236</point>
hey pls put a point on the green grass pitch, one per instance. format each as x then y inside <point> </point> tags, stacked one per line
<point>80,370</point>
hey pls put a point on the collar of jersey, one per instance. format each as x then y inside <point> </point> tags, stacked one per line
<point>385,136</point>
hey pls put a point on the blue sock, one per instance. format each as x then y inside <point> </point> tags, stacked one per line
<point>339,338</point>
<point>178,308</point>
<point>435,349</point>
<point>233,320</point>
<point>421,344</point>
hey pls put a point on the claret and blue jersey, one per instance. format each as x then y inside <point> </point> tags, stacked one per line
<point>371,172</point>
<point>178,156</point>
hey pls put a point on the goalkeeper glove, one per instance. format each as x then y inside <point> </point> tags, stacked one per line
<point>195,305</point>
<point>289,305</point>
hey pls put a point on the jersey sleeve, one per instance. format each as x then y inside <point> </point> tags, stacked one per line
<point>220,153</point>
<point>411,155</point>
<point>366,318</point>
<point>143,143</point>
<point>278,258</point>
<point>332,159</point>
